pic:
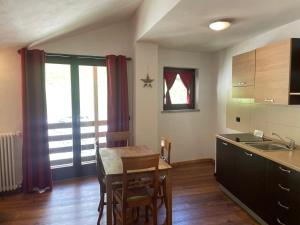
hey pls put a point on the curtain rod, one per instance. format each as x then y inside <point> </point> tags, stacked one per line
<point>80,56</point>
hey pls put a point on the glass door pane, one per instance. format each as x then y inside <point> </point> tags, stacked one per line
<point>102,104</point>
<point>59,113</point>
<point>93,109</point>
<point>87,75</point>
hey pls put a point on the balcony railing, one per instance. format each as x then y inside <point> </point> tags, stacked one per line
<point>61,142</point>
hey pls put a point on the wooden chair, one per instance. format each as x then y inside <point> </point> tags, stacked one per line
<point>165,149</point>
<point>101,179</point>
<point>118,137</point>
<point>138,192</point>
<point>165,154</point>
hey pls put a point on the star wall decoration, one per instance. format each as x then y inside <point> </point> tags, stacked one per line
<point>147,81</point>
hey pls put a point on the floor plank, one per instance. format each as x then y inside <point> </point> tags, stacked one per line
<point>197,199</point>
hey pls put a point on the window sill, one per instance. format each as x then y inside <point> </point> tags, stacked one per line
<point>180,110</point>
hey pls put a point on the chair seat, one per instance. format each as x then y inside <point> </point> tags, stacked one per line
<point>135,196</point>
<point>115,185</point>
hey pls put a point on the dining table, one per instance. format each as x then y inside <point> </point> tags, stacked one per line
<point>112,164</point>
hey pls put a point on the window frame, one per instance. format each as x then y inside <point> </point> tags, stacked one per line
<point>174,107</point>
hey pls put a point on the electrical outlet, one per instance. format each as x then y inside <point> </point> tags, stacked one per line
<point>237,119</point>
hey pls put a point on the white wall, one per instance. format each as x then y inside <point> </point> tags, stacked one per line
<point>145,98</point>
<point>11,99</point>
<point>192,133</point>
<point>284,120</point>
<point>115,39</point>
<point>10,91</point>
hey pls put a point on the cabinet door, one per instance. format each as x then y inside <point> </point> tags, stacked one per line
<point>225,165</point>
<point>243,73</point>
<point>273,73</point>
<point>251,181</point>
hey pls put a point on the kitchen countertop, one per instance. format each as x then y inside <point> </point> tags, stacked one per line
<point>290,159</point>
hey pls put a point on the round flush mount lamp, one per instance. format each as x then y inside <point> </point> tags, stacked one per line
<point>219,25</point>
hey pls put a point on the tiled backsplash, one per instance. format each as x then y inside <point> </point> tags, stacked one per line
<point>284,120</point>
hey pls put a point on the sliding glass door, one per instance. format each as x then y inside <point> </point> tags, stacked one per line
<point>93,109</point>
<point>76,90</point>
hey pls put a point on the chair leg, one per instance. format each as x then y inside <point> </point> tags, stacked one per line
<point>147,213</point>
<point>135,214</point>
<point>165,193</point>
<point>99,219</point>
<point>132,212</point>
<point>101,207</point>
<point>154,213</point>
<point>114,215</point>
<point>124,217</point>
<point>100,200</point>
<point>161,195</point>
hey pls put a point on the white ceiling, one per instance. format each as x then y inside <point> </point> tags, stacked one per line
<point>26,21</point>
<point>186,26</point>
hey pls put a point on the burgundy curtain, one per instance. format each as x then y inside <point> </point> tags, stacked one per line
<point>187,79</point>
<point>36,164</point>
<point>117,96</point>
<point>170,77</point>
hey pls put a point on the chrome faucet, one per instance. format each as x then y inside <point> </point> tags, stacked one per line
<point>291,144</point>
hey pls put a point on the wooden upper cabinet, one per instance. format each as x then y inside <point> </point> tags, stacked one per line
<point>243,75</point>
<point>272,76</point>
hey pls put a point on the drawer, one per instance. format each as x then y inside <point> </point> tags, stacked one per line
<point>281,220</point>
<point>284,177</point>
<point>285,211</point>
<point>289,177</point>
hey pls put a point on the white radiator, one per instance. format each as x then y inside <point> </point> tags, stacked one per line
<point>10,161</point>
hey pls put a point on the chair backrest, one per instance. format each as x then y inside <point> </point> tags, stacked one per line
<point>165,149</point>
<point>99,164</point>
<point>141,163</point>
<point>121,137</point>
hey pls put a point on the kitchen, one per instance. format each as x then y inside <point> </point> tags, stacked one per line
<point>262,171</point>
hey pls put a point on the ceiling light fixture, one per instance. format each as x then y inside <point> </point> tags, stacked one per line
<point>219,25</point>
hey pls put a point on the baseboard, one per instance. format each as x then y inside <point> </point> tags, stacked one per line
<point>195,161</point>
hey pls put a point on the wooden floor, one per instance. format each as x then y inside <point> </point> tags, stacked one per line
<point>197,199</point>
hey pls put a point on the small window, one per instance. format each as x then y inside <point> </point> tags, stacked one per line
<point>179,88</point>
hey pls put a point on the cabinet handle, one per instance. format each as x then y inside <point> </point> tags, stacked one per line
<point>269,100</point>
<point>284,188</point>
<point>284,170</point>
<point>283,206</point>
<point>224,143</point>
<point>242,83</point>
<point>248,154</point>
<point>279,222</point>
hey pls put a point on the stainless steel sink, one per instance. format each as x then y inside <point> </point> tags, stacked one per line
<point>269,146</point>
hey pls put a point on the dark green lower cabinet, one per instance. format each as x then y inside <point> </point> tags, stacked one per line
<point>251,181</point>
<point>226,168</point>
<point>270,190</point>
